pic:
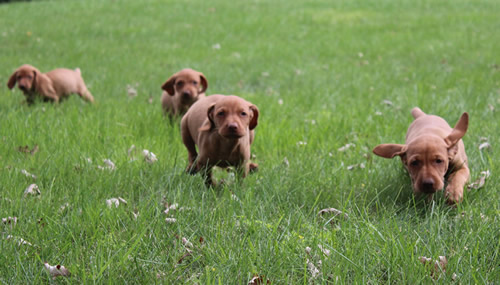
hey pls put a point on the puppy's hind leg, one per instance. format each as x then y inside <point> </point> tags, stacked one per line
<point>190,146</point>
<point>86,95</point>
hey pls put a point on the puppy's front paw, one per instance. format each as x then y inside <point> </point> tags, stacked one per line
<point>453,194</point>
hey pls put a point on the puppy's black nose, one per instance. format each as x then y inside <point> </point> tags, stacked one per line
<point>186,95</point>
<point>233,127</point>
<point>22,87</point>
<point>428,185</point>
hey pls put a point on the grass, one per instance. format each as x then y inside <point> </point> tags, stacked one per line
<point>332,65</point>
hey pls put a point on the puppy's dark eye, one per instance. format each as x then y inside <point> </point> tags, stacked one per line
<point>243,114</point>
<point>439,161</point>
<point>414,163</point>
<point>180,83</point>
<point>195,83</point>
<point>221,114</point>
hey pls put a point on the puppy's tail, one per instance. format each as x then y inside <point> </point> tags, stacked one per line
<point>417,112</point>
<point>78,71</point>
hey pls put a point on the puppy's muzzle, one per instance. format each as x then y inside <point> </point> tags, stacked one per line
<point>232,130</point>
<point>427,186</point>
<point>186,97</point>
<point>23,88</point>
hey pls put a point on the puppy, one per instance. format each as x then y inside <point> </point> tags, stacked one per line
<point>181,90</point>
<point>223,129</point>
<point>433,151</point>
<point>51,86</point>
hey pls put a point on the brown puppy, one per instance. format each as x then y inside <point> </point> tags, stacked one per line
<point>432,151</point>
<point>51,86</point>
<point>181,90</point>
<point>223,129</point>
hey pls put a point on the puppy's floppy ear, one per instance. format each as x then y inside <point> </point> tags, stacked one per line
<point>42,83</point>
<point>255,117</point>
<point>169,85</point>
<point>12,80</point>
<point>390,150</point>
<point>209,124</point>
<point>458,131</point>
<point>204,83</point>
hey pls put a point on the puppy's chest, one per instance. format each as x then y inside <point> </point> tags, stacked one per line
<point>225,154</point>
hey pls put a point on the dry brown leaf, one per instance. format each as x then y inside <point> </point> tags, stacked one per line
<point>346,147</point>
<point>27,174</point>
<point>312,269</point>
<point>9,221</point>
<point>354,166</point>
<point>170,220</point>
<point>20,241</point>
<point>324,250</point>
<point>149,157</point>
<point>186,242</point>
<point>259,280</point>
<point>131,90</point>
<point>480,181</point>
<point>56,270</point>
<point>32,190</point>
<point>484,145</point>
<point>26,149</point>
<point>334,211</point>
<point>116,202</point>
<point>436,267</point>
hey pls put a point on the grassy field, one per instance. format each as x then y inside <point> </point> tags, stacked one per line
<point>323,74</point>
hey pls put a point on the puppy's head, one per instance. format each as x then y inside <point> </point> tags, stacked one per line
<point>233,117</point>
<point>187,84</point>
<point>25,77</point>
<point>427,157</point>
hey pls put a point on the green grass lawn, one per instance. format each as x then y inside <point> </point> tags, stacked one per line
<point>323,74</point>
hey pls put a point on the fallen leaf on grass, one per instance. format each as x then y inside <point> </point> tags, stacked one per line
<point>346,147</point>
<point>170,220</point>
<point>484,145</point>
<point>312,269</point>
<point>20,241</point>
<point>149,157</point>
<point>186,242</point>
<point>115,201</point>
<point>324,250</point>
<point>27,174</point>
<point>12,221</point>
<point>109,165</point>
<point>131,90</point>
<point>259,280</point>
<point>285,162</point>
<point>188,253</point>
<point>26,149</point>
<point>32,190</point>
<point>56,270</point>
<point>354,166</point>
<point>439,264</point>
<point>170,207</point>
<point>131,152</point>
<point>334,211</point>
<point>135,214</point>
<point>63,207</point>
<point>216,46</point>
<point>480,181</point>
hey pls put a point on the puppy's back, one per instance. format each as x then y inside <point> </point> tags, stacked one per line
<point>197,114</point>
<point>66,81</point>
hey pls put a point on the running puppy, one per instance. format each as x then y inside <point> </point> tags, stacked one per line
<point>223,129</point>
<point>181,90</point>
<point>51,86</point>
<point>433,151</point>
